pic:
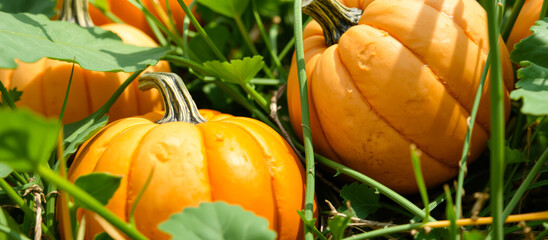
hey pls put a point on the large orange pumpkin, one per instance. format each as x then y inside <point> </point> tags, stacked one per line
<point>527,16</point>
<point>134,17</point>
<point>44,83</point>
<point>403,72</point>
<point>195,159</point>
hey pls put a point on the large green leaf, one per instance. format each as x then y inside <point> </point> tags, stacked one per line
<point>78,132</point>
<point>229,8</point>
<point>534,48</point>
<point>46,7</point>
<point>236,71</point>
<point>532,54</point>
<point>30,37</point>
<point>26,139</point>
<point>99,185</point>
<point>337,225</point>
<point>532,88</point>
<point>217,221</point>
<point>363,199</point>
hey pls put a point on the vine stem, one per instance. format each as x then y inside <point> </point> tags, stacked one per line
<point>307,134</point>
<point>88,201</point>
<point>463,165</point>
<point>201,31</point>
<point>249,43</point>
<point>399,199</point>
<point>497,123</point>
<point>21,203</point>
<point>447,223</point>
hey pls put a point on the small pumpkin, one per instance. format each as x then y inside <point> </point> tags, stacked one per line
<point>45,82</point>
<point>385,74</point>
<point>195,159</point>
<point>134,17</point>
<point>527,16</point>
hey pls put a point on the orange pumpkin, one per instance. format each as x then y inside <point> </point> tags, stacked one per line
<point>45,82</point>
<point>134,17</point>
<point>527,16</point>
<point>403,72</point>
<point>195,159</point>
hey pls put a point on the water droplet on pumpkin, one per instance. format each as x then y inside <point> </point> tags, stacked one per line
<point>349,91</point>
<point>219,138</point>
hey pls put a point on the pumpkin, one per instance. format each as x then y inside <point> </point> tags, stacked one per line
<point>44,83</point>
<point>385,74</point>
<point>527,16</point>
<point>195,159</point>
<point>131,15</point>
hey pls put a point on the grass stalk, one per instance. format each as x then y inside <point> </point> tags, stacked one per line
<point>497,123</point>
<point>307,133</point>
<point>463,163</point>
<point>88,201</point>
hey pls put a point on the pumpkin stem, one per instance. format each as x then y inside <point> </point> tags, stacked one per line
<point>76,11</point>
<point>333,17</point>
<point>177,100</point>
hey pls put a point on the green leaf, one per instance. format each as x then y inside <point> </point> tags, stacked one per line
<point>99,185</point>
<point>237,71</point>
<point>533,48</point>
<point>103,236</point>
<point>473,235</point>
<point>78,132</point>
<point>510,155</point>
<point>7,220</point>
<point>26,139</point>
<point>363,199</point>
<point>101,5</point>
<point>5,170</point>
<point>337,225</point>
<point>532,88</point>
<point>29,38</point>
<point>229,8</point>
<point>217,221</point>
<point>14,94</point>
<point>46,7</point>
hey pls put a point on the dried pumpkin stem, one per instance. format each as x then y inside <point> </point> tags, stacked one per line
<point>333,17</point>
<point>76,11</point>
<point>177,100</point>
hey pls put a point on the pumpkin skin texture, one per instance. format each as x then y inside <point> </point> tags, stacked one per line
<point>133,16</point>
<point>233,159</point>
<point>407,73</point>
<point>44,84</point>
<point>527,16</point>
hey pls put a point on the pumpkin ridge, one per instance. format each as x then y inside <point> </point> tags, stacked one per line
<point>277,213</point>
<point>451,17</point>
<point>88,92</point>
<point>130,168</point>
<point>381,117</point>
<point>206,158</point>
<point>439,79</point>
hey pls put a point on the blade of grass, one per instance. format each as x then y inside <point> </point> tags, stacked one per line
<point>6,96</point>
<point>307,133</point>
<point>463,165</point>
<point>420,180</point>
<point>394,196</point>
<point>543,10</point>
<point>89,201</point>
<point>525,184</point>
<point>201,31</point>
<point>497,122</point>
<point>509,24</point>
<point>65,101</point>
